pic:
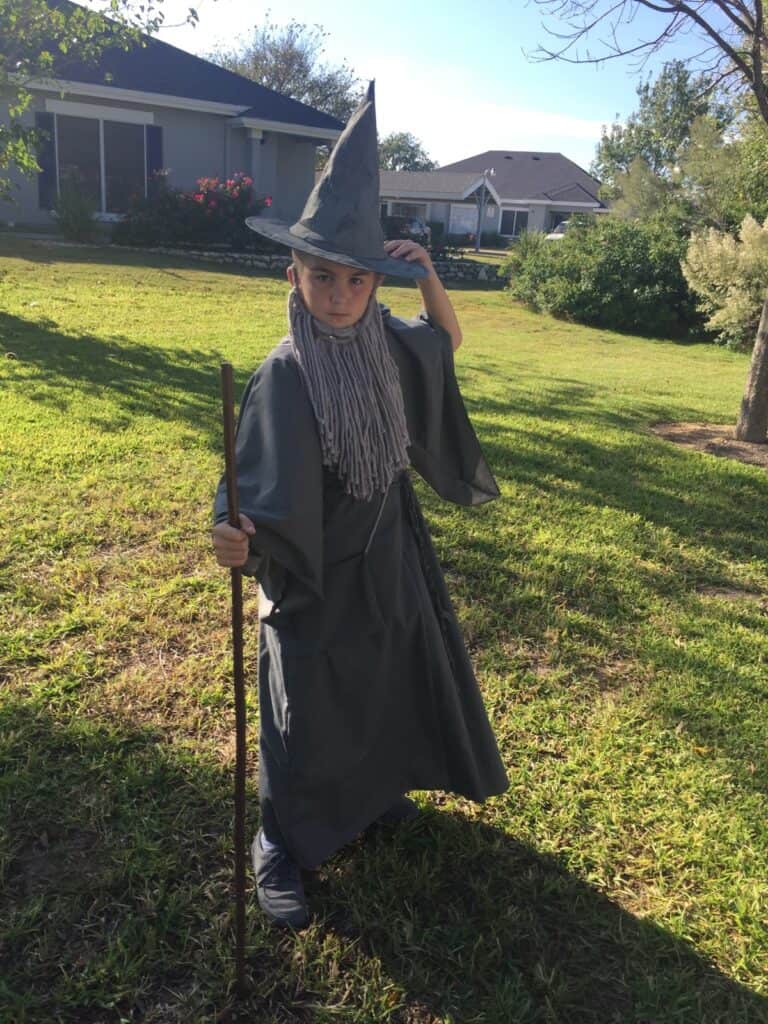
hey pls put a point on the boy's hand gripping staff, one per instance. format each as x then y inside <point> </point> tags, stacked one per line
<point>237,659</point>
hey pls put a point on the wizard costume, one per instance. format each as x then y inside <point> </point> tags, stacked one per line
<point>366,690</point>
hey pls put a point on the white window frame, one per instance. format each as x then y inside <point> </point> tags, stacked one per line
<point>512,209</point>
<point>100,114</point>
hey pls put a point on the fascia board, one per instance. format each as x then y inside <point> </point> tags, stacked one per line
<point>546,202</point>
<point>438,197</point>
<point>264,125</point>
<point>476,184</point>
<point>110,92</point>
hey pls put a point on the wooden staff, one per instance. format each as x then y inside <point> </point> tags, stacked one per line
<point>237,662</point>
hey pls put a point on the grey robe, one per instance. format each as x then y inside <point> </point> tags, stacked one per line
<point>366,690</point>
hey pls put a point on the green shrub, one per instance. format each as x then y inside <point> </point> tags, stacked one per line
<point>213,214</point>
<point>460,241</point>
<point>75,209</point>
<point>730,276</point>
<point>527,266</point>
<point>493,240</point>
<point>606,272</point>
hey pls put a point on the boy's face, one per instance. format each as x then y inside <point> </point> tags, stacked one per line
<point>332,292</point>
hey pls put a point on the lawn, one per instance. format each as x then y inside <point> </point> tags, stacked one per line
<point>615,601</point>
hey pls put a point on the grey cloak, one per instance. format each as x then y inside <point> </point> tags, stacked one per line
<point>366,690</point>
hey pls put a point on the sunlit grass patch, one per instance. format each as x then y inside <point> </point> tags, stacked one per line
<point>623,876</point>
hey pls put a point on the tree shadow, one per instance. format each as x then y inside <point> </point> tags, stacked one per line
<point>116,906</point>
<point>703,513</point>
<point>138,379</point>
<point>657,480</point>
<point>481,927</point>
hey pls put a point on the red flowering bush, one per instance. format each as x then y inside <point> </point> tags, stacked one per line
<point>212,214</point>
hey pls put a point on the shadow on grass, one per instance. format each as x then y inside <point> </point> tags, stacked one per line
<point>715,508</point>
<point>483,928</point>
<point>141,380</point>
<point>720,504</point>
<point>116,906</point>
<point>115,901</point>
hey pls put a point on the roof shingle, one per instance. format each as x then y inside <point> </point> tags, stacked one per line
<point>530,175</point>
<point>158,67</point>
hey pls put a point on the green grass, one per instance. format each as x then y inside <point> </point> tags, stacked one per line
<point>623,878</point>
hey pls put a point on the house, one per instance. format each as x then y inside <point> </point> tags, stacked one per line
<point>526,192</point>
<point>157,107</point>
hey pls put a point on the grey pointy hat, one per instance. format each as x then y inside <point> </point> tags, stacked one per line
<point>340,221</point>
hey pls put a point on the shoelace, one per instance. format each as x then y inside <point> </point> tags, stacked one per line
<point>281,869</point>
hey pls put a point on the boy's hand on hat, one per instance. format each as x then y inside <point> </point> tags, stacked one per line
<point>230,545</point>
<point>407,249</point>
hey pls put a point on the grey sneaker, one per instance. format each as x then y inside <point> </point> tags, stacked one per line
<point>401,810</point>
<point>279,888</point>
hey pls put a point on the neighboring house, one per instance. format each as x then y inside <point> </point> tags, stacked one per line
<point>527,192</point>
<point>157,107</point>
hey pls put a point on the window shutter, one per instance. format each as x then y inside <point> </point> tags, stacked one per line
<point>46,158</point>
<point>154,153</point>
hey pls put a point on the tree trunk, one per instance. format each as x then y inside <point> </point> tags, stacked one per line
<point>753,418</point>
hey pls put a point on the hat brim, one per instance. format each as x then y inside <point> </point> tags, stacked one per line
<point>279,231</point>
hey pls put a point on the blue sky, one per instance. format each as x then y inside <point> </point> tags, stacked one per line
<point>452,72</point>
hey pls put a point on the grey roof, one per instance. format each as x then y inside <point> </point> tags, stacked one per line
<point>434,184</point>
<point>530,175</point>
<point>158,67</point>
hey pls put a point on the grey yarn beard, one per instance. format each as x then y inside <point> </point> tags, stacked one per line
<point>354,388</point>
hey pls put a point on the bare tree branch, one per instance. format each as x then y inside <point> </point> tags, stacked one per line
<point>734,30</point>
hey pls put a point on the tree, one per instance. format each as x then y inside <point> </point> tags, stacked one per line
<point>734,51</point>
<point>707,171</point>
<point>644,194</point>
<point>288,58</point>
<point>401,151</point>
<point>750,181</point>
<point>38,39</point>
<point>662,123</point>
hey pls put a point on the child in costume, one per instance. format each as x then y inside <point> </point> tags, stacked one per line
<point>365,687</point>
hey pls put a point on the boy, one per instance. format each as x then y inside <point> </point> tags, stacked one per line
<point>365,686</point>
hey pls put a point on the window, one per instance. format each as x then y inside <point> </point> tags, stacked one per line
<point>79,160</point>
<point>123,164</point>
<point>463,219</point>
<point>514,222</point>
<point>418,210</point>
<point>109,161</point>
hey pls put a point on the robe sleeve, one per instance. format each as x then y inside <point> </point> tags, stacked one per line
<point>279,478</point>
<point>444,448</point>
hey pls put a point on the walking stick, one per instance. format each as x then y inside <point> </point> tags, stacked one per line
<point>237,660</point>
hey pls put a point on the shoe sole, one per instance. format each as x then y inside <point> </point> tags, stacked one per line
<point>281,922</point>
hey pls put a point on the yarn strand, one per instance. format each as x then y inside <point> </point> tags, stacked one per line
<point>354,388</point>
